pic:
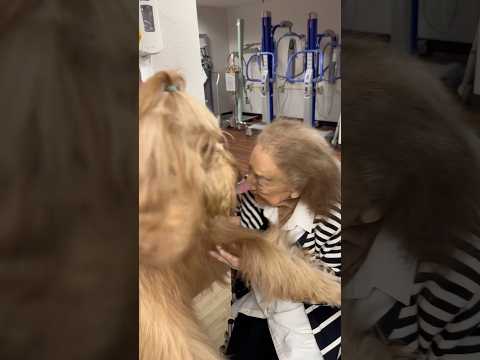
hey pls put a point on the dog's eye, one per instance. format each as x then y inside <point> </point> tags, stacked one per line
<point>205,148</point>
<point>211,147</point>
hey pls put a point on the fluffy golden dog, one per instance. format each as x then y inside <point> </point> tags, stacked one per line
<point>186,191</point>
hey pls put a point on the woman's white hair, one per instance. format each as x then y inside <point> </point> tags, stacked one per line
<point>307,161</point>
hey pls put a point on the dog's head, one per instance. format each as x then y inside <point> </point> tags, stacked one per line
<point>185,174</point>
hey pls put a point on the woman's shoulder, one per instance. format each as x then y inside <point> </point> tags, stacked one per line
<point>458,277</point>
<point>335,211</point>
<point>330,222</point>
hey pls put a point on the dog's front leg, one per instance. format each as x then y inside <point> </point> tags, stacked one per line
<point>278,271</point>
<point>286,274</point>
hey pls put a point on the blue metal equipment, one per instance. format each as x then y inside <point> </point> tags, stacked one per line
<point>268,75</point>
<point>313,70</point>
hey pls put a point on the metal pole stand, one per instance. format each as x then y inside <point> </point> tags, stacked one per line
<point>337,137</point>
<point>268,76</point>
<point>311,72</point>
<point>239,79</point>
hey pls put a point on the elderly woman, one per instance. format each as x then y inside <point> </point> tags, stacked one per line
<point>294,183</point>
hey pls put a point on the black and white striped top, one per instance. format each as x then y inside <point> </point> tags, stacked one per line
<point>442,319</point>
<point>323,242</point>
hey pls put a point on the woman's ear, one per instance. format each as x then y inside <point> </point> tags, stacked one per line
<point>295,195</point>
<point>372,214</point>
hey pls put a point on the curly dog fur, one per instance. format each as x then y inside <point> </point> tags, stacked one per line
<point>187,190</point>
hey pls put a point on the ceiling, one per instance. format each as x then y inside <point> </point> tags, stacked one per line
<point>225,3</point>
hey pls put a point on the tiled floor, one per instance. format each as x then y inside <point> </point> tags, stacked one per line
<point>213,310</point>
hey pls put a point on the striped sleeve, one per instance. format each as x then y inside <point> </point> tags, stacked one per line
<point>449,318</point>
<point>325,320</point>
<point>328,248</point>
<point>443,317</point>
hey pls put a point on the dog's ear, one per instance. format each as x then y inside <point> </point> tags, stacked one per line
<point>221,176</point>
<point>171,173</point>
<point>185,174</point>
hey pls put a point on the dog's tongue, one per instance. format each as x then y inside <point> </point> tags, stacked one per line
<point>242,187</point>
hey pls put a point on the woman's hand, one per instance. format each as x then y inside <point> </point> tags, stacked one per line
<point>226,258</point>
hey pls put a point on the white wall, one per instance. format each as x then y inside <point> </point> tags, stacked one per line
<point>212,21</point>
<point>448,20</point>
<point>181,51</point>
<point>373,16</point>
<point>401,25</point>
<point>329,12</point>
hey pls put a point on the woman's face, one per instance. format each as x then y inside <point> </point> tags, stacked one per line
<point>266,181</point>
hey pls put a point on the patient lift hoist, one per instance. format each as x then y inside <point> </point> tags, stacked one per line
<point>313,70</point>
